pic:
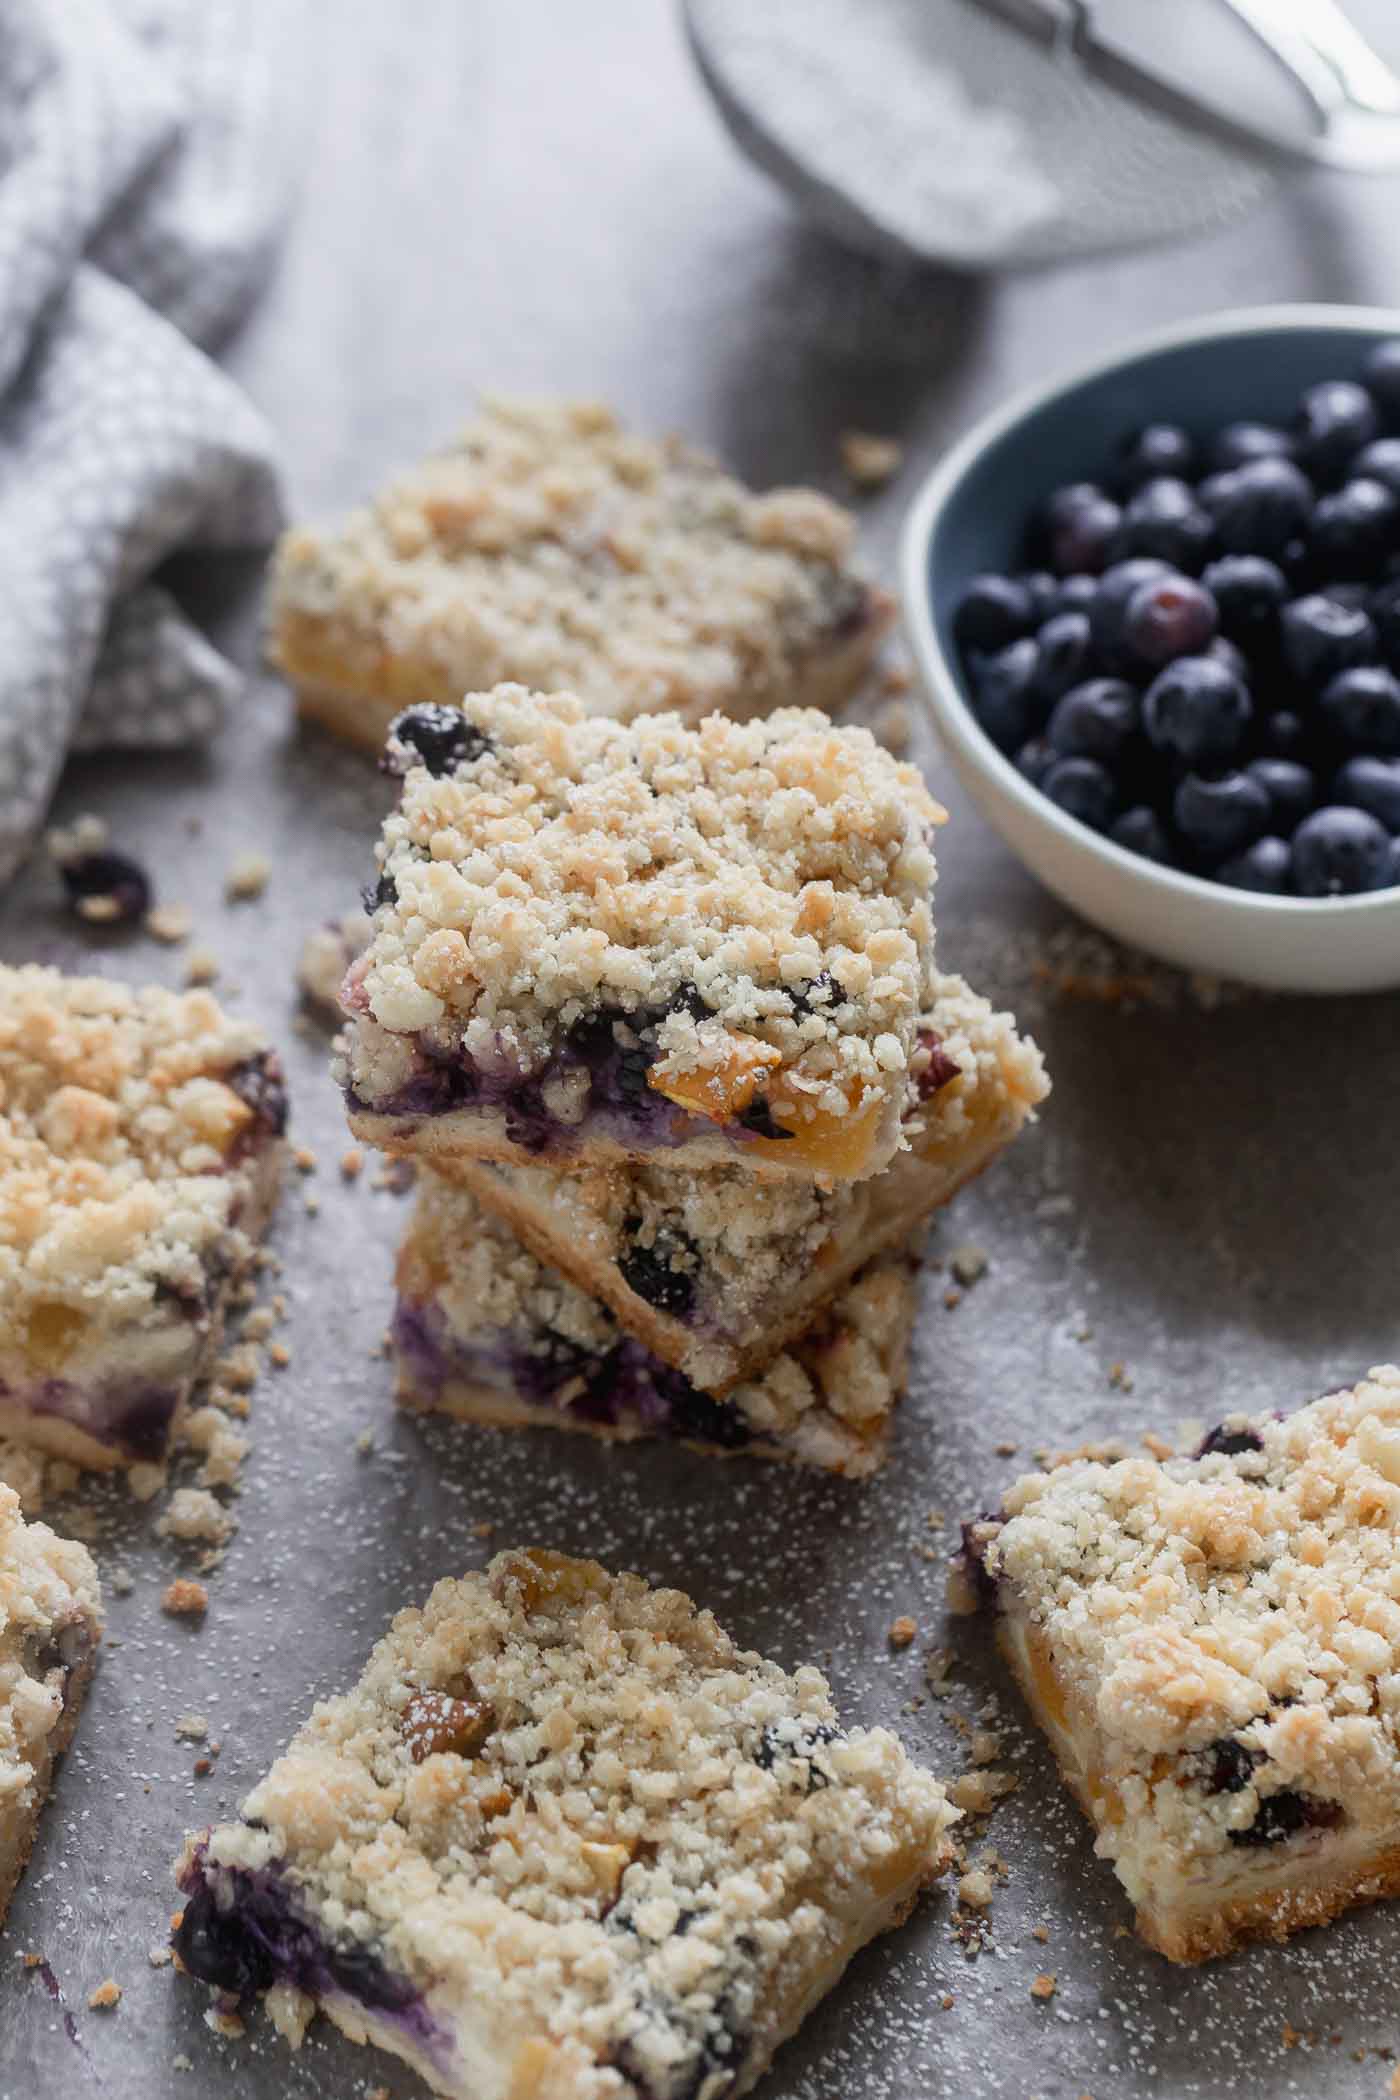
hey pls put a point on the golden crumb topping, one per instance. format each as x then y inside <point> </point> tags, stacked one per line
<point>565,1805</point>
<point>124,1118</point>
<point>50,1615</point>
<point>553,548</point>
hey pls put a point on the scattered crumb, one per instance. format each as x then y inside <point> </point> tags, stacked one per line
<point>201,966</point>
<point>181,2063</point>
<point>279,1354</point>
<point>107,1995</point>
<point>158,1957</point>
<point>484,1529</point>
<point>870,461</point>
<point>976,1889</point>
<point>144,1482</point>
<point>313,1204</point>
<point>193,1727</point>
<point>947,2001</point>
<point>86,834</point>
<point>1158,1446</point>
<point>352,1163</point>
<point>968,1263</point>
<point>1043,1987</point>
<point>1006,1449</point>
<point>247,878</point>
<point>1041,1933</point>
<point>325,957</point>
<point>27,1473</point>
<point>952,1298</point>
<point>121,1582</point>
<point>364,1443</point>
<point>985,1746</point>
<point>238,1369</point>
<point>902,1632</point>
<point>171,923</point>
<point>193,1513</point>
<point>304,1159</point>
<point>185,1599</point>
<point>979,1792</point>
<point>225,2023</point>
<point>1120,1377</point>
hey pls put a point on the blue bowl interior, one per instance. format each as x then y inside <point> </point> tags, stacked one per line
<point>1230,378</point>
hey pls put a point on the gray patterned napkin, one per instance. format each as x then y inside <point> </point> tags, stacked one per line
<point>141,181</point>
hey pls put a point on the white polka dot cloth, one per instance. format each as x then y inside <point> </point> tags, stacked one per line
<point>141,180</point>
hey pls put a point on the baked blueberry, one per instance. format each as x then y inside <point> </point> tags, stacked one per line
<point>1265,867</point>
<point>1230,1763</point>
<point>1339,853</point>
<point>1155,450</point>
<point>1197,709</point>
<point>1322,637</point>
<point>1115,592</point>
<point>440,738</point>
<point>1283,1815</point>
<point>1078,525</point>
<point>106,889</point>
<point>1238,443</point>
<point>1140,830</point>
<point>1221,1442</point>
<point>1258,508</point>
<point>1249,594</point>
<point>1335,419</point>
<point>1290,788</point>
<point>651,1272</point>
<point>384,891</point>
<point>1164,519</point>
<point>1005,699</point>
<point>1218,815</point>
<point>1380,462</point>
<point>1372,784</point>
<point>1170,616</point>
<point>1362,707</point>
<point>1354,529</point>
<point>1381,374</point>
<point>1094,720</point>
<point>1063,643</point>
<point>1082,788</point>
<point>991,612</point>
<point>1035,758</point>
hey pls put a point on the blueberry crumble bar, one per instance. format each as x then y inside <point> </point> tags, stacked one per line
<point>1212,1645</point>
<point>550,547</point>
<point>50,1627</point>
<point>595,941</point>
<point>485,1332</point>
<point>715,1272</point>
<point>564,1841</point>
<point>140,1154</point>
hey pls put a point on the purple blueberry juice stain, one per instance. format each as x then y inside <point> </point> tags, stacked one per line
<point>133,1419</point>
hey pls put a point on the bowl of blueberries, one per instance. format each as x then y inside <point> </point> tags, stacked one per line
<point>1156,611</point>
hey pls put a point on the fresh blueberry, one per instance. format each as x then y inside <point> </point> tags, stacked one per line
<point>1035,758</point>
<point>1220,814</point>
<point>991,612</point>
<point>1044,590</point>
<point>1072,594</point>
<point>1163,518</point>
<point>1094,720</point>
<point>1389,878</point>
<point>1363,707</point>
<point>1140,830</point>
<point>106,889</point>
<point>1197,709</point>
<point>1334,420</point>
<point>1078,525</point>
<point>1231,656</point>
<point>1339,852</point>
<point>1116,589</point>
<point>1155,450</point>
<point>1249,594</point>
<point>1063,643</point>
<point>1383,606</point>
<point>1321,637</point>
<point>1266,866</point>
<point>1381,373</point>
<point>440,738</point>
<point>1354,596</point>
<point>1290,788</point>
<point>1082,788</point>
<point>1372,784</point>
<point>1356,528</point>
<point>1380,462</point>
<point>1238,443</point>
<point>1172,616</point>
<point>1004,696</point>
<point>1258,508</point>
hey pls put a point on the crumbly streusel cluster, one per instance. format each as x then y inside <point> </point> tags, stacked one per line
<point>553,548</point>
<point>120,1122</point>
<point>1249,1596</point>
<point>47,1586</point>
<point>643,1829</point>
<point>572,863</point>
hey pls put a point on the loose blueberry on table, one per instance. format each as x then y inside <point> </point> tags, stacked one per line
<point>1205,664</point>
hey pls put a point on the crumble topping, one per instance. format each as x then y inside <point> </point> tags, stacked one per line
<point>553,547</point>
<point>654,1840</point>
<point>771,878</point>
<point>49,1598</point>
<point>121,1125</point>
<point>1237,1611</point>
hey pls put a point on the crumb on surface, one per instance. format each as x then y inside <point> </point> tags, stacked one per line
<point>1043,1987</point>
<point>903,1631</point>
<point>193,1728</point>
<point>184,1599</point>
<point>201,966</point>
<point>968,1263</point>
<point>247,878</point>
<point>870,461</point>
<point>195,1514</point>
<point>352,1164</point>
<point>976,1889</point>
<point>279,1355</point>
<point>979,1791</point>
<point>107,1995</point>
<point>170,923</point>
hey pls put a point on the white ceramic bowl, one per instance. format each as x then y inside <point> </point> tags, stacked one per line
<point>970,515</point>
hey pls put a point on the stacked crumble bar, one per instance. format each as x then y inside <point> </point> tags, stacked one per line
<point>654,1009</point>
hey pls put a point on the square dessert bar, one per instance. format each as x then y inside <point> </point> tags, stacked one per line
<point>551,548</point>
<point>1212,1645</point>
<point>50,1627</point>
<point>595,941</point>
<point>564,1841</point>
<point>716,1272</point>
<point>486,1333</point>
<point>140,1154</point>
